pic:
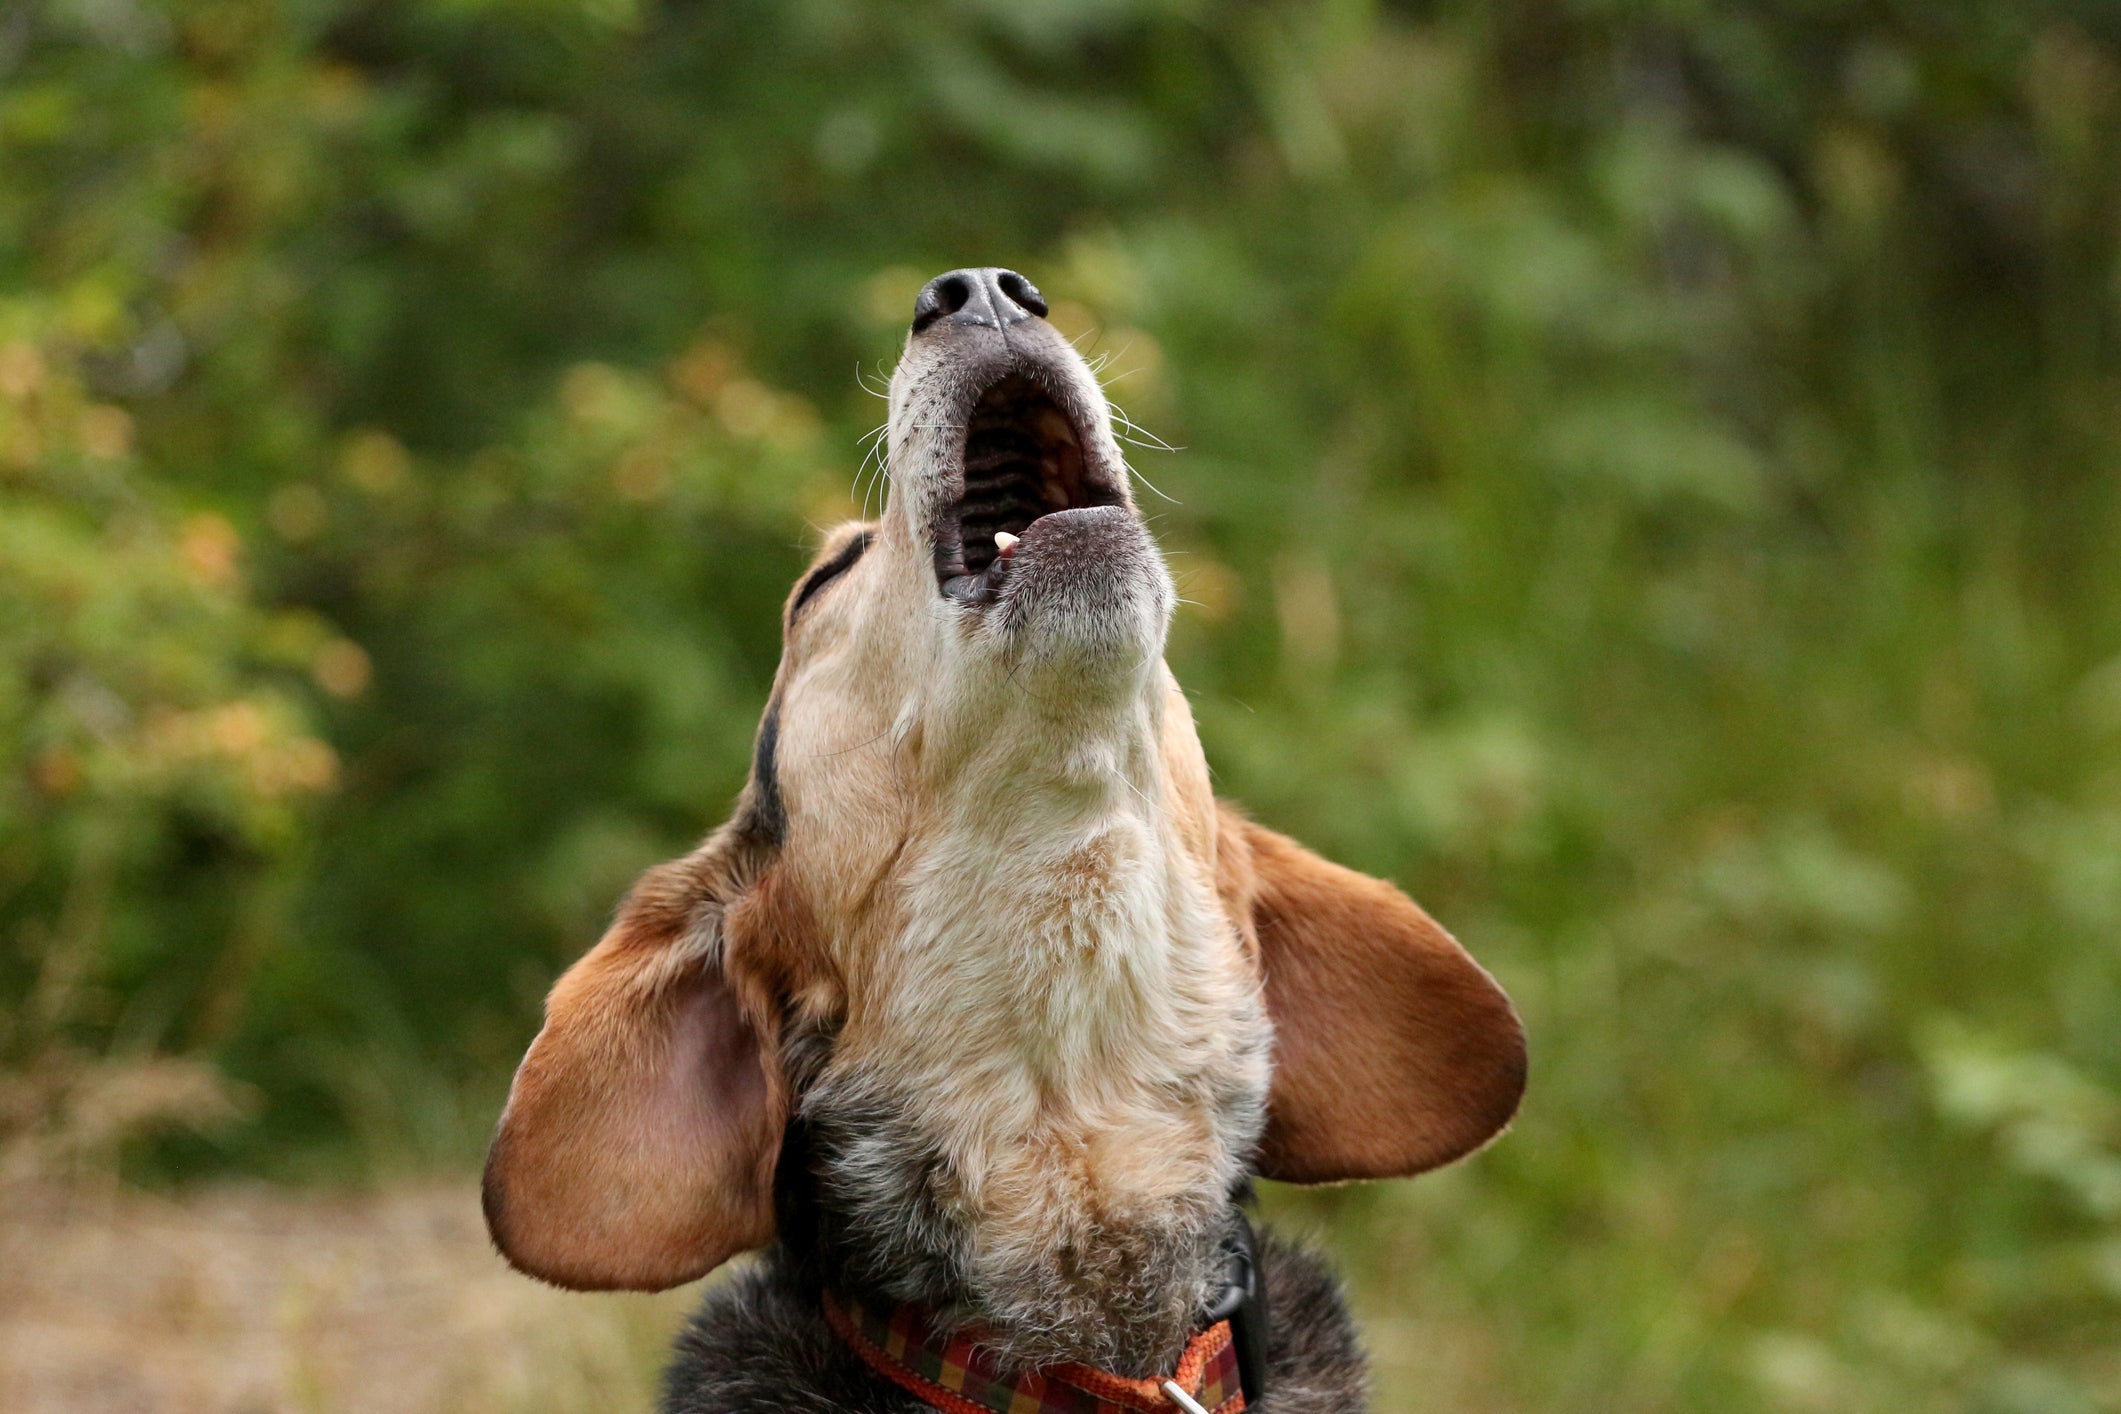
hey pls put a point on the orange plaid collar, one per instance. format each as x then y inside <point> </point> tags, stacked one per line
<point>953,1374</point>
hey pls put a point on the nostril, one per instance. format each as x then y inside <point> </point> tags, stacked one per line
<point>940,298</point>
<point>988,297</point>
<point>1026,294</point>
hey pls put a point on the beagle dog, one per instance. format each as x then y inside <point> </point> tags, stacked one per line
<point>981,1012</point>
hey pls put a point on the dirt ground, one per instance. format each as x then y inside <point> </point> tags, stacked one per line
<point>253,1301</point>
<point>257,1300</point>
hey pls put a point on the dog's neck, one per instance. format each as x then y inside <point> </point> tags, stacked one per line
<point>1036,1125</point>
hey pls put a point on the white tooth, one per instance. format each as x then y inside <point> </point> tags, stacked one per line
<point>1003,540</point>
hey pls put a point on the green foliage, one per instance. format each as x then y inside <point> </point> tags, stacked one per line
<point>1649,486</point>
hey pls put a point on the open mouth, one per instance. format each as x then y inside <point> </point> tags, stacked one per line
<point>1023,459</point>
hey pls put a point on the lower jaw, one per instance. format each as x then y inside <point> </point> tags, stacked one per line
<point>982,588</point>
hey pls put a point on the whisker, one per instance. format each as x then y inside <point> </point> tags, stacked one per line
<point>1135,472</point>
<point>856,747</point>
<point>1129,784</point>
<point>1139,435</point>
<point>864,483</point>
<point>1158,445</point>
<point>865,480</point>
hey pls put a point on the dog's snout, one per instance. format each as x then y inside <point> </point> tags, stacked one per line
<point>990,295</point>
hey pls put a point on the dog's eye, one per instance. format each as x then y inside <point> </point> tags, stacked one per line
<point>827,572</point>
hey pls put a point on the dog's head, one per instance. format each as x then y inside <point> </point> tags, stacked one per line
<point>971,745</point>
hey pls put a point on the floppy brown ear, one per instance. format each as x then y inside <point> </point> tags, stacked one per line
<point>1394,1051</point>
<point>638,1145</point>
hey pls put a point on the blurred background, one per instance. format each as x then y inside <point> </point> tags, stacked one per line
<point>1648,485</point>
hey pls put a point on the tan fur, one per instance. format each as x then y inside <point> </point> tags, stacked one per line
<point>1005,883</point>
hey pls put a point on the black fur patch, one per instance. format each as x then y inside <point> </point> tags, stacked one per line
<point>825,573</point>
<point>883,1220</point>
<point>759,1345</point>
<point>767,819</point>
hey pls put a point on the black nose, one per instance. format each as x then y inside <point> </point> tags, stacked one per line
<point>990,296</point>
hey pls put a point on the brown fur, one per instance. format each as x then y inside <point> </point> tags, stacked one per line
<point>1394,1051</point>
<point>637,1148</point>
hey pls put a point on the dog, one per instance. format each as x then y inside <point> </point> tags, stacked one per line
<point>981,1012</point>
